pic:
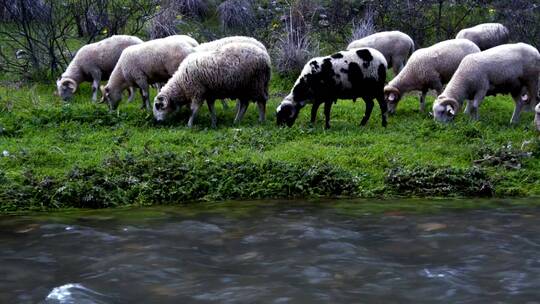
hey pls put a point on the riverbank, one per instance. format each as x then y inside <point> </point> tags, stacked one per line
<point>58,155</point>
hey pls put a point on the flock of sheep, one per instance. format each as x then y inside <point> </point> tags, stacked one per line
<point>478,63</point>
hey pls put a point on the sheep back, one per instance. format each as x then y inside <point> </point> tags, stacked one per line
<point>102,55</point>
<point>486,35</point>
<point>392,44</point>
<point>155,60</point>
<point>435,63</point>
<point>502,69</point>
<point>343,75</point>
<point>237,71</point>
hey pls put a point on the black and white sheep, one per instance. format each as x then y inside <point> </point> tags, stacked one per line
<point>486,35</point>
<point>236,71</point>
<point>394,45</point>
<point>145,64</point>
<point>94,62</point>
<point>506,69</point>
<point>428,69</point>
<point>357,73</point>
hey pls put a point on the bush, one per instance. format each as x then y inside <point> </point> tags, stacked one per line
<point>236,15</point>
<point>365,27</point>
<point>191,8</point>
<point>172,179</point>
<point>430,181</point>
<point>296,46</point>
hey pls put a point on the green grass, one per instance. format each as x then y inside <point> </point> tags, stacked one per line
<point>49,140</point>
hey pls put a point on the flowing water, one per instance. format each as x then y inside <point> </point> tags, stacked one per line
<point>271,253</point>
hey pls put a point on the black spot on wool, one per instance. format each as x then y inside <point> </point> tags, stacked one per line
<point>337,56</point>
<point>314,64</point>
<point>366,56</point>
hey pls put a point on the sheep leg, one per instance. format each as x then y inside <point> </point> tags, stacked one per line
<point>314,109</point>
<point>384,110</point>
<point>327,109</point>
<point>241,111</point>
<point>131,94</point>
<point>146,98</point>
<point>95,85</point>
<point>369,109</point>
<point>468,108</point>
<point>517,109</point>
<point>423,101</point>
<point>262,110</point>
<point>195,106</point>
<point>476,104</point>
<point>225,105</point>
<point>212,110</point>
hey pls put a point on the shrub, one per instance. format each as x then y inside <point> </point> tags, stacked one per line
<point>171,179</point>
<point>236,15</point>
<point>431,181</point>
<point>296,46</point>
<point>365,27</point>
<point>191,8</point>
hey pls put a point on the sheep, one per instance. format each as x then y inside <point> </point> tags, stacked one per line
<point>427,69</point>
<point>93,62</point>
<point>486,35</point>
<point>235,71</point>
<point>537,117</point>
<point>395,46</point>
<point>510,68</point>
<point>216,44</point>
<point>344,75</point>
<point>146,64</point>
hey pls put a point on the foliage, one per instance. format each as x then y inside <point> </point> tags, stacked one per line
<point>430,181</point>
<point>236,15</point>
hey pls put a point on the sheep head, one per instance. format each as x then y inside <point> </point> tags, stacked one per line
<point>445,109</point>
<point>66,88</point>
<point>392,96</point>
<point>111,97</point>
<point>287,112</point>
<point>164,108</point>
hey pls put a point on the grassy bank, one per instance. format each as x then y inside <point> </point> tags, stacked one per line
<point>80,155</point>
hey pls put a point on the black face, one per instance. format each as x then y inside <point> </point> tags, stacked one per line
<point>287,114</point>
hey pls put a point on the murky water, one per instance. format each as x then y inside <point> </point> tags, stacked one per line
<point>271,253</point>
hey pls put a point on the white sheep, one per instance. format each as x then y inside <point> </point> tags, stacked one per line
<point>146,64</point>
<point>509,68</point>
<point>216,44</point>
<point>394,45</point>
<point>357,73</point>
<point>428,69</point>
<point>93,62</point>
<point>236,71</point>
<point>486,35</point>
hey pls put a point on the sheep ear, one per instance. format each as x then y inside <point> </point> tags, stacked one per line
<point>70,85</point>
<point>450,111</point>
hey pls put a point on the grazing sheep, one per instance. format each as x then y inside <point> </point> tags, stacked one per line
<point>395,46</point>
<point>344,75</point>
<point>216,44</point>
<point>93,62</point>
<point>510,68</point>
<point>486,35</point>
<point>428,69</point>
<point>235,71</point>
<point>146,64</point>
